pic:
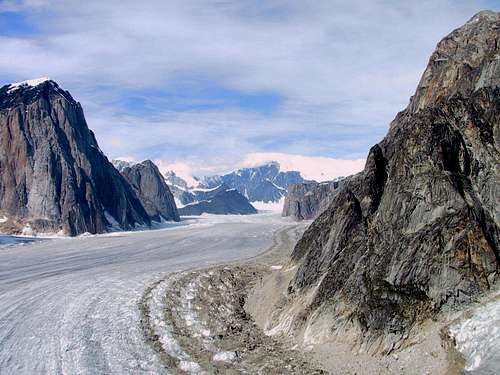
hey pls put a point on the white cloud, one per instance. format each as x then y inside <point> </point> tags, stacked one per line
<point>127,158</point>
<point>311,168</point>
<point>343,69</point>
<point>182,169</point>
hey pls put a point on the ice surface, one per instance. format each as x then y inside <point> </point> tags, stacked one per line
<point>70,305</point>
<point>165,332</point>
<point>269,206</point>
<point>478,337</point>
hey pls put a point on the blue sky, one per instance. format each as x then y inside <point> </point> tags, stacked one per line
<point>207,83</point>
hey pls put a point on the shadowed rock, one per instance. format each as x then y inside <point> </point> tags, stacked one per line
<point>221,201</point>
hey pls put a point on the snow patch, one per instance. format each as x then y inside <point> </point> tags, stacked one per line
<point>276,186</point>
<point>178,202</point>
<point>269,206</point>
<point>114,225</point>
<point>225,357</point>
<point>27,231</point>
<point>205,190</point>
<point>31,83</point>
<point>478,337</point>
<point>3,219</point>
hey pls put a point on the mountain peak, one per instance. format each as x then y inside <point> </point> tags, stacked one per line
<point>463,62</point>
<point>486,15</point>
<point>27,92</point>
<point>28,83</point>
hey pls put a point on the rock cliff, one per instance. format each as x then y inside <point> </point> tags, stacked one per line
<point>53,176</point>
<point>152,190</point>
<point>308,200</point>
<point>418,229</point>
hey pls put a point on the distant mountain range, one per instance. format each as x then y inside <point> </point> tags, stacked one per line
<point>265,186</point>
<point>265,183</point>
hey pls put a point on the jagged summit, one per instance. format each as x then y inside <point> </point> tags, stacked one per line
<point>464,61</point>
<point>27,92</point>
<point>29,83</point>
<point>263,183</point>
<point>484,15</point>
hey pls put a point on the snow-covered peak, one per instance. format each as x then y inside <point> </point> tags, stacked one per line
<point>122,164</point>
<point>30,82</point>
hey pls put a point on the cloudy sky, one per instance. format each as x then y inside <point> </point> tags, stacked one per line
<point>210,85</point>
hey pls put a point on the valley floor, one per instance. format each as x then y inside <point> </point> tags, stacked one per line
<point>188,299</point>
<point>72,305</point>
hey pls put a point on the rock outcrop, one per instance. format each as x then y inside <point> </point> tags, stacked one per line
<point>53,176</point>
<point>418,229</point>
<point>220,201</point>
<point>152,190</point>
<point>308,200</point>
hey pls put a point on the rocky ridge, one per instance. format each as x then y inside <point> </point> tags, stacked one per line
<point>417,231</point>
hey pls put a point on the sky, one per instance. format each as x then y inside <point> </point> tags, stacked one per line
<point>209,86</point>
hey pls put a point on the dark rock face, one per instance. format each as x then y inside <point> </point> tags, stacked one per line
<point>419,227</point>
<point>306,201</point>
<point>261,184</point>
<point>152,190</point>
<point>53,176</point>
<point>220,201</point>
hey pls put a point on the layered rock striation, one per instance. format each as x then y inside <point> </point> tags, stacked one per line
<point>418,228</point>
